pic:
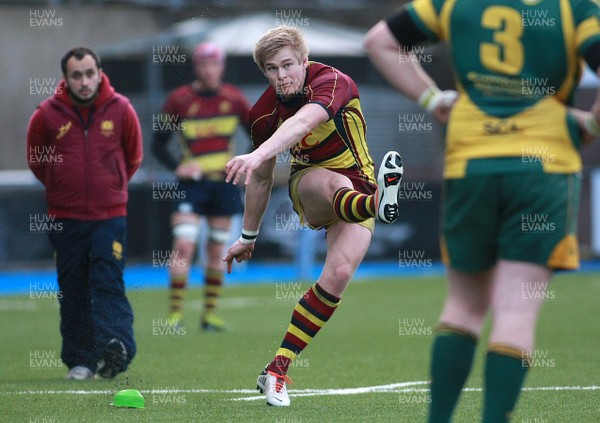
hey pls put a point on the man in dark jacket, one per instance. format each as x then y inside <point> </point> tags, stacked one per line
<point>84,143</point>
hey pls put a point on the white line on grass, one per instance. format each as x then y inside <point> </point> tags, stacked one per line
<point>393,387</point>
<point>403,387</point>
<point>147,391</point>
<point>343,391</point>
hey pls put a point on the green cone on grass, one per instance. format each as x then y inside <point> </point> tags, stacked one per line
<point>130,398</point>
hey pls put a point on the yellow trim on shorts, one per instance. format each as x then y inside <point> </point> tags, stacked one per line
<point>444,251</point>
<point>565,254</point>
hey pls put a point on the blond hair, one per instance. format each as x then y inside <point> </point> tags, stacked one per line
<point>276,39</point>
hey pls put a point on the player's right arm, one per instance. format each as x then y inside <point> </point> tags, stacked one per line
<point>394,37</point>
<point>288,134</point>
<point>407,76</point>
<point>258,194</point>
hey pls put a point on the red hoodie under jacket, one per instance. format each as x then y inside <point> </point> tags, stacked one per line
<point>85,156</point>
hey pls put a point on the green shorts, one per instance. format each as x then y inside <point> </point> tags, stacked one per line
<point>526,217</point>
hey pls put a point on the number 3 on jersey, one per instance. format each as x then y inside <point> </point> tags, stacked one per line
<point>505,55</point>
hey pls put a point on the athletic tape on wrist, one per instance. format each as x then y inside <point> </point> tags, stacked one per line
<point>248,237</point>
<point>432,97</point>
<point>428,98</point>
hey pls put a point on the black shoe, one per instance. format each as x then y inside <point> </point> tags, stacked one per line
<point>114,359</point>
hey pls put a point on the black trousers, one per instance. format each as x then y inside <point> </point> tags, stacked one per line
<point>90,258</point>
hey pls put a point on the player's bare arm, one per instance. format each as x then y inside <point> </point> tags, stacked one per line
<point>287,135</point>
<point>406,76</point>
<point>258,194</point>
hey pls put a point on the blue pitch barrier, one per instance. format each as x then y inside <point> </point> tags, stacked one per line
<point>140,276</point>
<point>144,276</point>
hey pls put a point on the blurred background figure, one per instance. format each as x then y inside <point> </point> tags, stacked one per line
<point>207,114</point>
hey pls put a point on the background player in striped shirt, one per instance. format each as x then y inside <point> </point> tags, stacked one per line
<point>206,114</point>
<point>313,111</point>
<point>512,171</point>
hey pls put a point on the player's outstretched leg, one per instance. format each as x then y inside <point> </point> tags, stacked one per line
<point>388,185</point>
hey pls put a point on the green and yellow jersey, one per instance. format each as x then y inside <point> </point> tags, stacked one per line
<point>512,114</point>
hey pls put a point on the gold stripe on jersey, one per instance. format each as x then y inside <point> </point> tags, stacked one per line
<point>571,55</point>
<point>445,19</point>
<point>586,29</point>
<point>538,134</point>
<point>428,16</point>
<point>317,136</point>
<point>210,162</point>
<point>356,154</point>
<point>332,91</point>
<point>355,131</point>
<point>206,128</point>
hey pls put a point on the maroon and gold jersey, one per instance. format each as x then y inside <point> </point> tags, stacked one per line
<point>339,144</point>
<point>207,122</point>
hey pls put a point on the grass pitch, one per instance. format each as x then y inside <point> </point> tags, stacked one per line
<point>369,363</point>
